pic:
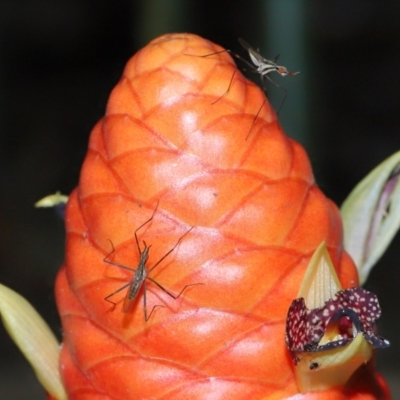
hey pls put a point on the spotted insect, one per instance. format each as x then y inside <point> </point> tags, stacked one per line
<point>348,313</point>
<point>141,273</point>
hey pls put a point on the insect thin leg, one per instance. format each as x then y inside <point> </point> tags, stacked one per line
<point>113,293</point>
<point>209,54</point>
<point>141,226</point>
<point>227,90</point>
<point>151,312</point>
<point>234,72</point>
<point>169,252</point>
<point>276,85</point>
<point>224,51</point>
<point>114,263</point>
<point>145,304</point>
<point>262,105</point>
<point>255,118</point>
<point>168,292</point>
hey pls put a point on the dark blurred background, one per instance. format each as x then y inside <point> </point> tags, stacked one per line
<point>60,59</point>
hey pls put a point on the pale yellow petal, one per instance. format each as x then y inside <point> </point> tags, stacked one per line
<point>34,338</point>
<point>320,283</point>
<point>328,368</point>
<point>332,367</point>
<point>52,200</point>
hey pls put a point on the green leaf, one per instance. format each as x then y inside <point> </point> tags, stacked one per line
<point>34,338</point>
<point>371,215</point>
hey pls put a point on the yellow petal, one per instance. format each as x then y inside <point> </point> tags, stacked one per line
<point>331,368</point>
<point>52,200</point>
<point>34,338</point>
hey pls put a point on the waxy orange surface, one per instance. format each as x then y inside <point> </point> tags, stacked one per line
<point>168,137</point>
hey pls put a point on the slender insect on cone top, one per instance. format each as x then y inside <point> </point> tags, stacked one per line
<point>169,168</point>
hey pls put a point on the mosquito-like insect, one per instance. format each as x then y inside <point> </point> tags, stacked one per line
<point>141,273</point>
<point>264,66</point>
<point>261,66</point>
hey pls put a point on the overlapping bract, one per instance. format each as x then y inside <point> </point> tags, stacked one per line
<point>257,216</point>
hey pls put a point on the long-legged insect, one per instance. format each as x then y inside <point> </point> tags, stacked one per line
<point>261,66</point>
<point>141,273</point>
<point>264,67</point>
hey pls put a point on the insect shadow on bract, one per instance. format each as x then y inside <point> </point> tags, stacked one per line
<point>259,65</point>
<point>141,273</point>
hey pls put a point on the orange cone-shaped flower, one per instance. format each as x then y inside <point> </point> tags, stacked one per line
<point>171,147</point>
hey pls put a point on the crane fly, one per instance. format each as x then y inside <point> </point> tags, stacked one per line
<point>259,65</point>
<point>141,273</point>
